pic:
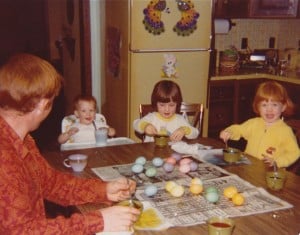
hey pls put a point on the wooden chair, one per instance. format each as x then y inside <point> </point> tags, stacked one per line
<point>193,112</point>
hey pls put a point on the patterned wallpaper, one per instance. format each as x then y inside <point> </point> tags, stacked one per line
<point>258,32</point>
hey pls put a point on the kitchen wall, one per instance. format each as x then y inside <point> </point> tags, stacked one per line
<point>258,32</point>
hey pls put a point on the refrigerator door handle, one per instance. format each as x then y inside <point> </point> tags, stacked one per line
<point>170,50</point>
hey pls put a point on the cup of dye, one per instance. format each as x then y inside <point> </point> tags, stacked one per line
<point>76,161</point>
<point>276,179</point>
<point>231,155</point>
<point>161,140</point>
<point>220,226</point>
<point>101,136</point>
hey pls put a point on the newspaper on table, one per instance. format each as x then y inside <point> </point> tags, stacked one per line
<point>195,209</point>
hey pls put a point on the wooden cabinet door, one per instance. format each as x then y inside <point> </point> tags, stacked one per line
<point>245,94</point>
<point>221,106</point>
<point>231,8</point>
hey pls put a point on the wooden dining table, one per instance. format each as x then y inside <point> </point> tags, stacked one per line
<point>281,222</point>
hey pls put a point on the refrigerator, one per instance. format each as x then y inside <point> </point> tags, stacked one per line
<point>151,40</point>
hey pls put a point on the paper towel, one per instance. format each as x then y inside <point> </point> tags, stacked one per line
<point>222,26</point>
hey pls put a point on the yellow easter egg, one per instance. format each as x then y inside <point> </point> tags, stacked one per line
<point>196,180</point>
<point>196,189</point>
<point>169,185</point>
<point>230,191</point>
<point>238,199</point>
<point>177,191</point>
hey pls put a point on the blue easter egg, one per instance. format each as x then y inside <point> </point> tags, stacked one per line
<point>157,161</point>
<point>137,168</point>
<point>168,167</point>
<point>150,190</point>
<point>141,160</point>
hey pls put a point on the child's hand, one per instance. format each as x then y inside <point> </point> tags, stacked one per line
<point>111,131</point>
<point>150,130</point>
<point>268,160</point>
<point>178,134</point>
<point>225,135</point>
<point>72,131</point>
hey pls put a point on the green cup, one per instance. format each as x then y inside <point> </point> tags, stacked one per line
<point>276,179</point>
<point>220,226</point>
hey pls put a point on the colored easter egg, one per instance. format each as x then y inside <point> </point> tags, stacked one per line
<point>196,180</point>
<point>169,185</point>
<point>184,168</point>
<point>185,161</point>
<point>177,191</point>
<point>151,171</point>
<point>196,189</point>
<point>193,166</point>
<point>177,156</point>
<point>171,160</point>
<point>157,161</point>
<point>150,190</point>
<point>168,167</point>
<point>212,197</point>
<point>211,189</point>
<point>137,168</point>
<point>141,160</point>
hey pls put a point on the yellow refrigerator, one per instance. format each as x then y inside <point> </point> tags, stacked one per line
<point>151,40</point>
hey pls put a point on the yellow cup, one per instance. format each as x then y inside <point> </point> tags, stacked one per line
<point>231,155</point>
<point>161,140</point>
<point>220,226</point>
<point>276,179</point>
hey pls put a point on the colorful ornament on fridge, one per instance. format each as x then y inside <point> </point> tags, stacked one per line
<point>189,16</point>
<point>152,18</point>
<point>169,68</point>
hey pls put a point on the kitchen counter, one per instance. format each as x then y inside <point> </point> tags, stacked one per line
<point>291,76</point>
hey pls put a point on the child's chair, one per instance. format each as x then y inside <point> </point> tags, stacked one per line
<point>99,120</point>
<point>193,112</point>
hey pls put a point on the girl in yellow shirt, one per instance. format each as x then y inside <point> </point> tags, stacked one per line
<point>268,137</point>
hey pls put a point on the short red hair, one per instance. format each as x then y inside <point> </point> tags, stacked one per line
<point>272,90</point>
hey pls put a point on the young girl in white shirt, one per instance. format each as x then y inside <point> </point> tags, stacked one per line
<point>166,100</point>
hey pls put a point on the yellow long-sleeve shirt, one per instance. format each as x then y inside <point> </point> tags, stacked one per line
<point>260,138</point>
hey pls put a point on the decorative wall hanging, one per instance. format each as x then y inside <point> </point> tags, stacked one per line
<point>184,27</point>
<point>113,50</point>
<point>152,18</point>
<point>169,69</point>
<point>189,17</point>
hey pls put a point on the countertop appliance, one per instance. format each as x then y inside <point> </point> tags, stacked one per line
<point>151,40</point>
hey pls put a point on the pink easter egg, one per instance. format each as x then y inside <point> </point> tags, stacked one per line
<point>171,160</point>
<point>184,168</point>
<point>184,161</point>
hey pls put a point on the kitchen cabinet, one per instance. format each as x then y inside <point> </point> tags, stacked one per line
<point>256,9</point>
<point>231,8</point>
<point>230,101</point>
<point>221,106</point>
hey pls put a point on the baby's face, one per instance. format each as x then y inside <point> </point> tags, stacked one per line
<point>86,112</point>
<point>166,110</point>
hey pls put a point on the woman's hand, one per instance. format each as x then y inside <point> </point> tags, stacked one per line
<point>119,218</point>
<point>120,189</point>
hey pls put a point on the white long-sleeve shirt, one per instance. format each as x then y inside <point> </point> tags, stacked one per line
<point>169,125</point>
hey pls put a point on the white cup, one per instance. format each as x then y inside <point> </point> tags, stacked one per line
<point>76,161</point>
<point>101,136</point>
